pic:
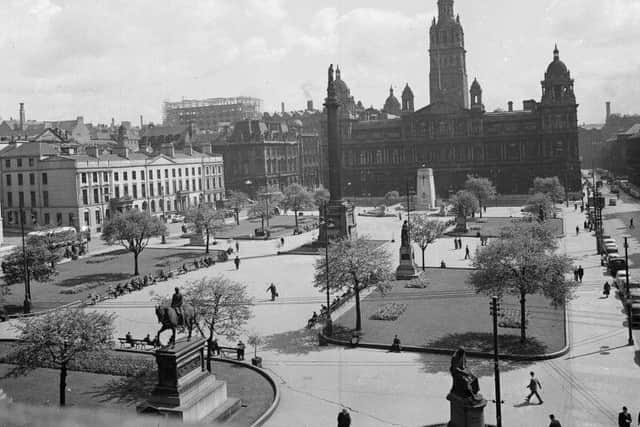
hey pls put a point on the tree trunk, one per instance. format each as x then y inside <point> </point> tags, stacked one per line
<point>356,289</point>
<point>295,212</point>
<point>206,249</point>
<point>209,351</point>
<point>63,384</point>
<point>423,249</point>
<point>237,211</point>
<point>262,225</point>
<point>480,204</point>
<point>135,263</point>
<point>523,319</point>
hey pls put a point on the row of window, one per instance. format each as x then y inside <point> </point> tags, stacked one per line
<point>7,162</point>
<point>33,197</point>
<point>134,174</point>
<point>32,179</point>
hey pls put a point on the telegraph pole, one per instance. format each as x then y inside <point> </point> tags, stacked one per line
<point>495,309</point>
<point>628,299</point>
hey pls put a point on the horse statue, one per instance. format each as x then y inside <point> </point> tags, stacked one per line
<point>168,318</point>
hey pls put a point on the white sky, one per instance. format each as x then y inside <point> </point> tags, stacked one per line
<point>122,58</point>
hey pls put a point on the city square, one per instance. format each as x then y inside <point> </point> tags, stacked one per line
<point>437,261</point>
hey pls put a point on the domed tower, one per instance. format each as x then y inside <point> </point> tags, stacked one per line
<point>476,96</point>
<point>407,99</point>
<point>391,105</point>
<point>557,86</point>
<point>448,65</point>
<point>343,93</point>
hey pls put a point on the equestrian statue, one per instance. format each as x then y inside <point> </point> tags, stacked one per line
<point>178,315</point>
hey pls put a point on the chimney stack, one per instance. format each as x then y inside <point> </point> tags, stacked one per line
<point>22,118</point>
<point>608,104</point>
<point>168,149</point>
<point>310,105</point>
<point>141,122</point>
<point>510,104</point>
<point>113,123</point>
<point>282,107</point>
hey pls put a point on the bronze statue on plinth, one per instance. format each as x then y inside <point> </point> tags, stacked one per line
<point>466,402</point>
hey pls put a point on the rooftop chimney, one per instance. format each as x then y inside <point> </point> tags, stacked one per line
<point>282,107</point>
<point>608,104</point>
<point>92,151</point>
<point>141,122</point>
<point>510,104</point>
<point>310,105</point>
<point>188,150</point>
<point>22,118</point>
<point>206,148</point>
<point>113,123</point>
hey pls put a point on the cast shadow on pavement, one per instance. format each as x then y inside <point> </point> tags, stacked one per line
<point>301,341</point>
<point>94,278</point>
<point>126,390</point>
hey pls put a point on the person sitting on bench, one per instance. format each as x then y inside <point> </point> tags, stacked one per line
<point>395,345</point>
<point>312,321</point>
<point>129,338</point>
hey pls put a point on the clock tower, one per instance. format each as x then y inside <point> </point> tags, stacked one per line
<point>448,66</point>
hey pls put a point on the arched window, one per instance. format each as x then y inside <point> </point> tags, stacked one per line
<point>153,206</point>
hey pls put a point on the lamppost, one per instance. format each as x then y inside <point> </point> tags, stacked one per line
<point>628,302</point>
<point>164,215</point>
<point>27,285</point>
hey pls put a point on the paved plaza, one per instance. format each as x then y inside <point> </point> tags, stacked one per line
<point>586,387</point>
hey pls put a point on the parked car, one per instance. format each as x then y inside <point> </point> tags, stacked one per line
<point>615,264</point>
<point>612,202</point>
<point>621,279</point>
<point>3,314</point>
<point>635,315</point>
<point>177,218</point>
<point>608,240</point>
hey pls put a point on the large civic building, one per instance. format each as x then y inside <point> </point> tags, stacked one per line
<point>207,114</point>
<point>454,134</point>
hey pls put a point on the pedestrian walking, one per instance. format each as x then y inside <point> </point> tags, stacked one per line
<point>606,291</point>
<point>575,274</point>
<point>577,230</point>
<point>624,418</point>
<point>240,350</point>
<point>554,422</point>
<point>455,243</point>
<point>273,290</point>
<point>282,241</point>
<point>466,253</point>
<point>534,386</point>
<point>586,224</point>
<point>580,273</point>
<point>237,246</point>
<point>395,345</point>
<point>631,223</point>
<point>236,261</point>
<point>344,419</point>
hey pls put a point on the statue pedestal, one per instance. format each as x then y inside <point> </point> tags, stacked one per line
<point>407,269</point>
<point>185,389</point>
<point>197,239</point>
<point>465,413</point>
<point>341,220</point>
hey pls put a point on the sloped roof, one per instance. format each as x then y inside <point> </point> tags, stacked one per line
<point>30,149</point>
<point>164,130</point>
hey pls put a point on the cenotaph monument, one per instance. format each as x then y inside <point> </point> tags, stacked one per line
<point>407,268</point>
<point>426,190</point>
<point>337,213</point>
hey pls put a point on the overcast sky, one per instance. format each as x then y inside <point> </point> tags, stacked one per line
<point>122,58</point>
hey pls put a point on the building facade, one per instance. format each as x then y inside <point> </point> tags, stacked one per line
<point>81,190</point>
<point>454,135</point>
<point>206,114</point>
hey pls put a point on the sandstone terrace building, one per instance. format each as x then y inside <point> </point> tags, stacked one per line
<point>60,187</point>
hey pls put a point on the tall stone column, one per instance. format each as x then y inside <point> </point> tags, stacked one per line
<point>337,215</point>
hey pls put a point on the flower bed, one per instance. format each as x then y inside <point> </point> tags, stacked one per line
<point>389,311</point>
<point>81,288</point>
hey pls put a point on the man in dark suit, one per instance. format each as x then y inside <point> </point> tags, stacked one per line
<point>624,418</point>
<point>554,422</point>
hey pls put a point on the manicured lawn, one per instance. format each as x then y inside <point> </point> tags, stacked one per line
<point>110,268</point>
<point>280,225</point>
<point>40,387</point>
<point>448,313</point>
<point>490,227</point>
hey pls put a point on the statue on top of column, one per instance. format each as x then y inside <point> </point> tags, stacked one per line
<point>330,73</point>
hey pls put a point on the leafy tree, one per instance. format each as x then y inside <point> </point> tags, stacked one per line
<point>205,219</point>
<point>550,186</point>
<point>132,229</point>
<point>482,188</point>
<point>321,195</point>
<point>540,205</point>
<point>222,308</point>
<point>40,263</point>
<point>464,203</point>
<point>424,231</point>
<point>574,195</point>
<point>296,198</point>
<point>391,197</point>
<point>540,232</point>
<point>236,201</point>
<point>354,264</point>
<point>268,198</point>
<point>59,337</point>
<point>55,240</point>
<point>522,266</point>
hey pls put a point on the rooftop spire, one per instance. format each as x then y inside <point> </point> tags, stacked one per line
<point>556,53</point>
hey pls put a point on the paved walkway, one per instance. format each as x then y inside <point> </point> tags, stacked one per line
<point>584,388</point>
